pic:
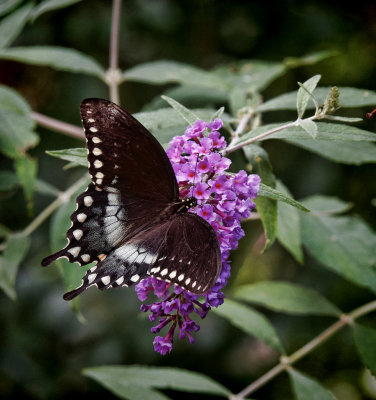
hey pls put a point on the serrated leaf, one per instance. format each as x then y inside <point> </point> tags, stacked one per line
<point>309,126</point>
<point>348,97</point>
<point>8,181</point>
<point>162,72</point>
<point>186,114</point>
<point>266,191</point>
<point>251,322</point>
<point>12,25</point>
<point>287,297</point>
<point>345,245</point>
<point>16,126</point>
<point>288,232</point>
<point>59,58</point>
<point>26,168</point>
<point>352,153</point>
<point>15,250</point>
<point>365,340</point>
<point>305,94</point>
<point>8,5</point>
<point>121,377</point>
<point>307,388</point>
<point>77,155</point>
<point>50,5</point>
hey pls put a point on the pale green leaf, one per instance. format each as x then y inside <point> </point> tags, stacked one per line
<point>287,297</point>
<point>16,126</point>
<point>15,250</point>
<point>266,191</point>
<point>289,226</point>
<point>326,205</point>
<point>76,155</point>
<point>309,59</point>
<point>251,322</point>
<point>162,72</point>
<point>309,126</point>
<point>184,112</point>
<point>305,94</point>
<point>348,97</point>
<point>8,5</point>
<point>50,5</point>
<point>60,58</point>
<point>46,188</point>
<point>345,245</point>
<point>343,119</point>
<point>267,210</point>
<point>12,25</point>
<point>353,153</point>
<point>307,388</point>
<point>365,340</point>
<point>8,181</point>
<point>26,169</point>
<point>121,377</point>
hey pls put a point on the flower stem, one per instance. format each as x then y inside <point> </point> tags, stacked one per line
<point>57,125</point>
<point>114,75</point>
<point>286,362</point>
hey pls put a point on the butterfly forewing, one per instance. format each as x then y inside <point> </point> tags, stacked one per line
<point>123,155</point>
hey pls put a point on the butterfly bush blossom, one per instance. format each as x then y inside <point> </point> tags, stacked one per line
<point>223,200</point>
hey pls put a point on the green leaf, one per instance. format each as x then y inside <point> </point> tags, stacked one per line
<point>162,72</point>
<point>266,191</point>
<point>307,388</point>
<point>287,297</point>
<point>12,25</point>
<point>8,5</point>
<point>50,5</point>
<point>16,126</point>
<point>343,119</point>
<point>16,248</point>
<point>253,75</point>
<point>326,205</point>
<point>26,169</point>
<point>365,340</point>
<point>46,188</point>
<point>345,245</point>
<point>251,322</point>
<point>309,59</point>
<point>120,378</point>
<point>60,58</point>
<point>305,94</point>
<point>77,155</point>
<point>186,114</point>
<point>8,181</point>
<point>353,153</point>
<point>237,99</point>
<point>266,207</point>
<point>289,226</point>
<point>349,97</point>
<point>309,126</point>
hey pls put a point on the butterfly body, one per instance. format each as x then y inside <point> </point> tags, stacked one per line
<point>130,220</point>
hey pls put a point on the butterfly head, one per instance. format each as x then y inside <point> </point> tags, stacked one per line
<point>187,203</point>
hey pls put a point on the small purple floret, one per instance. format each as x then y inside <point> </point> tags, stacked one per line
<point>223,200</point>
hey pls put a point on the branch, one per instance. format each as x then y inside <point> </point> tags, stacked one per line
<point>113,77</point>
<point>286,362</point>
<point>56,125</point>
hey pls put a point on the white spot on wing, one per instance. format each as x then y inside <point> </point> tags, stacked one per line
<point>99,175</point>
<point>85,258</point>
<point>187,281</point>
<point>88,201</point>
<point>78,234</point>
<point>81,217</point>
<point>91,277</point>
<point>106,280</point>
<point>90,120</point>
<point>180,277</point>
<point>164,272</point>
<point>96,151</point>
<point>120,280</point>
<point>74,251</point>
<point>135,278</point>
<point>98,164</point>
<point>96,139</point>
<point>173,274</point>
<point>93,129</point>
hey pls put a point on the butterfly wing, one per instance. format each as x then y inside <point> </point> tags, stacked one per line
<point>132,182</point>
<point>183,250</point>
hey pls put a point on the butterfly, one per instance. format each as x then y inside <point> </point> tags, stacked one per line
<point>130,220</point>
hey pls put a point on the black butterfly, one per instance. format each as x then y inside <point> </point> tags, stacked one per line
<point>130,220</point>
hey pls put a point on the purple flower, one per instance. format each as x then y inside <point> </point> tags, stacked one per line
<point>223,200</point>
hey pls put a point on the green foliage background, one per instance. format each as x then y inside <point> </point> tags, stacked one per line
<point>44,346</point>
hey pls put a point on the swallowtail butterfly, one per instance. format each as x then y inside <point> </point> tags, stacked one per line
<point>130,220</point>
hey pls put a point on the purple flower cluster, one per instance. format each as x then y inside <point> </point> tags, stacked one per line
<point>223,200</point>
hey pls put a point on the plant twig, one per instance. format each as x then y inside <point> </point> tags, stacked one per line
<point>56,125</point>
<point>286,362</point>
<point>114,75</point>
<point>62,198</point>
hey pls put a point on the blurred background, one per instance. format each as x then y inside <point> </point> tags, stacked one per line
<point>43,345</point>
